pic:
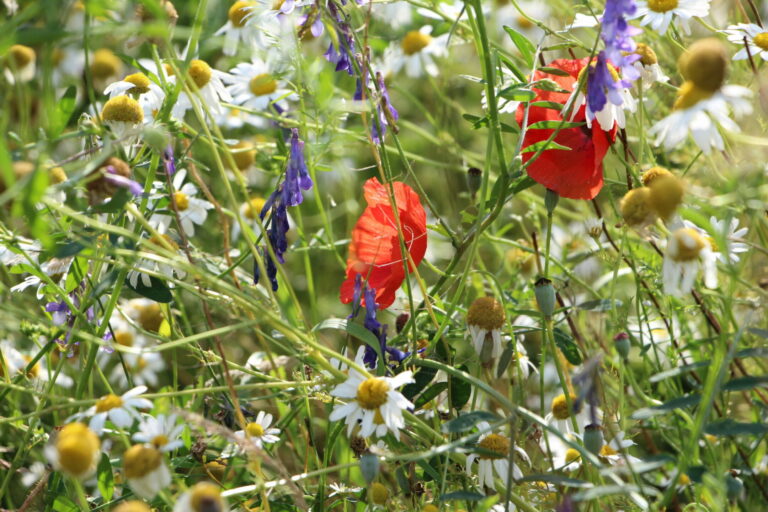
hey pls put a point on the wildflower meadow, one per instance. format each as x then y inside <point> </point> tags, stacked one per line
<point>383,255</point>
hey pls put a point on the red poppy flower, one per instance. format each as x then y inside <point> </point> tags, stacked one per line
<point>578,173</point>
<point>375,249</point>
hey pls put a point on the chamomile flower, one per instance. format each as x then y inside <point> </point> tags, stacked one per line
<point>139,86</point>
<point>615,452</point>
<point>145,470</point>
<point>494,457</point>
<point>105,67</point>
<point>144,368</point>
<point>756,40</point>
<point>485,319</point>
<point>20,64</point>
<point>564,457</point>
<point>254,86</point>
<point>258,432</point>
<point>687,252</point>
<point>417,51</point>
<point>562,417</point>
<point>145,313</point>
<point>123,115</point>
<point>17,362</point>
<point>192,210</point>
<point>249,211</point>
<point>732,235</point>
<point>120,410</point>
<point>75,451</point>
<point>147,267</point>
<point>132,506</point>
<point>210,89</point>
<point>374,403</point>
<point>202,497</point>
<point>55,268</point>
<point>163,432</point>
<point>520,359</point>
<point>397,14</point>
<point>648,66</point>
<point>338,489</point>
<point>31,476</point>
<point>659,14</point>
<point>237,30</point>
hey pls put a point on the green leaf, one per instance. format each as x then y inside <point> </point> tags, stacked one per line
<point>729,427</point>
<point>522,183</point>
<point>557,480</point>
<point>420,380</point>
<point>64,109</point>
<point>553,125</point>
<point>429,394</point>
<point>462,496</point>
<point>554,71</point>
<point>744,383</point>
<point>64,504</point>
<point>115,204</point>
<point>158,291</point>
<point>546,84</point>
<point>32,192</point>
<point>106,480</point>
<point>467,421</point>
<point>527,48</point>
<point>548,104</point>
<point>675,403</point>
<point>674,372</point>
<point>600,305</point>
<point>461,390</point>
<point>514,94</point>
<point>70,248</point>
<point>353,329</point>
<point>544,146</point>
<point>567,346</point>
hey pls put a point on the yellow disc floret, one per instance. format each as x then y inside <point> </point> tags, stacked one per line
<point>647,55</point>
<point>182,200</point>
<point>56,175</point>
<point>105,64</point>
<point>495,443</point>
<point>379,494</point>
<point>124,338</point>
<point>263,84</point>
<point>123,109</point>
<point>77,447</point>
<point>686,245</point>
<point>662,5</point>
<point>761,40</point>
<point>651,174</point>
<point>200,73</point>
<point>21,55</point>
<point>253,207</point>
<point>571,455</point>
<point>688,95</point>
<point>486,313</point>
<point>140,83</point>
<point>705,64</point>
<point>254,430</point>
<point>244,155</point>
<point>636,207</point>
<point>666,195</point>
<point>140,460</point>
<point>132,506</point>
<point>607,451</point>
<point>109,402</point>
<point>239,12</point>
<point>372,393</point>
<point>205,497</point>
<point>415,41</point>
<point>560,407</point>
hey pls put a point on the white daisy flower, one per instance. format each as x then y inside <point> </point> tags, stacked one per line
<point>417,51</point>
<point>443,10</point>
<point>340,488</point>
<point>69,63</point>
<point>254,86</point>
<point>237,30</point>
<point>75,450</point>
<point>660,13</point>
<point>485,319</point>
<point>756,40</point>
<point>521,359</point>
<point>123,115</point>
<point>272,22</point>
<point>105,68</point>
<point>145,471</point>
<point>146,265</point>
<point>258,432</point>
<point>494,457</point>
<point>615,452</point>
<point>33,475</point>
<point>732,235</point>
<point>144,367</point>
<point>564,458</point>
<point>581,20</point>
<point>211,90</point>
<point>120,410</point>
<point>139,86</point>
<point>145,313</point>
<point>20,64</point>
<point>687,251</point>
<point>234,119</point>
<point>562,417</point>
<point>396,14</point>
<point>55,268</point>
<point>202,497</point>
<point>374,402</point>
<point>191,209</point>
<point>40,373</point>
<point>162,432</point>
<point>612,114</point>
<point>648,66</point>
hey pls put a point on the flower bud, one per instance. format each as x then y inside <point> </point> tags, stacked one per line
<point>593,438</point>
<point>400,322</point>
<point>551,199</point>
<point>474,179</point>
<point>545,296</point>
<point>622,344</point>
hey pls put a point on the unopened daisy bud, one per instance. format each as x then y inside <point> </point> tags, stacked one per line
<point>666,195</point>
<point>76,451</point>
<point>132,506</point>
<point>379,494</point>
<point>358,445</point>
<point>145,470</point>
<point>56,175</point>
<point>705,64</point>
<point>202,497</point>
<point>545,296</point>
<point>474,179</point>
<point>486,316</point>
<point>622,344</point>
<point>594,227</point>
<point>636,208</point>
<point>647,55</point>
<point>593,438</point>
<point>244,155</point>
<point>20,63</point>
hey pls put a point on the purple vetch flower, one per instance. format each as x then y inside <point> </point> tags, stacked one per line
<point>59,312</point>
<point>342,49</point>
<point>169,161</point>
<point>296,175</point>
<point>601,85</point>
<point>386,113</point>
<point>117,180</point>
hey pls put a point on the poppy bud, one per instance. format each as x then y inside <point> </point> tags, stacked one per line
<point>734,486</point>
<point>593,438</point>
<point>622,343</point>
<point>474,179</point>
<point>545,296</point>
<point>551,199</point>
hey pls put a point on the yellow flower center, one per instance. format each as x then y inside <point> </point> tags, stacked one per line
<point>77,447</point>
<point>415,41</point>
<point>22,55</point>
<point>254,430</point>
<point>239,12</point>
<point>133,506</point>
<point>495,443</point>
<point>571,455</point>
<point>182,200</point>
<point>253,207</point>
<point>244,155</point>
<point>688,243</point>
<point>560,407</point>
<point>666,195</point>
<point>761,40</point>
<point>688,95</point>
<point>636,207</point>
<point>156,241</point>
<point>379,494</point>
<point>123,109</point>
<point>607,451</point>
<point>109,402</point>
<point>705,64</point>
<point>140,83</point>
<point>57,175</point>
<point>653,173</point>
<point>486,313</point>
<point>372,393</point>
<point>150,317</point>
<point>524,23</point>
<point>200,72</point>
<point>206,497</point>
<point>124,338</point>
<point>662,5</point>
<point>684,479</point>
<point>429,507</point>
<point>160,440</point>
<point>35,370</point>
<point>647,55</point>
<point>105,64</point>
<point>263,84</point>
<point>140,460</point>
<point>141,363</point>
